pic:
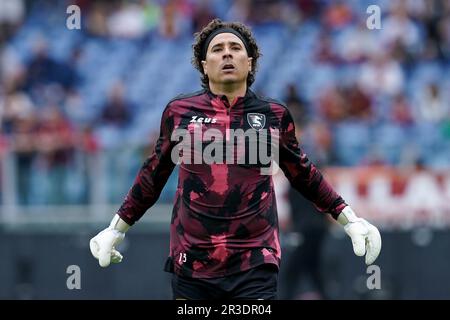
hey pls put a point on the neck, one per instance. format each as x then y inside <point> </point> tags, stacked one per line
<point>230,90</point>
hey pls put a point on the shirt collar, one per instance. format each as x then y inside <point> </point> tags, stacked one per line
<point>249,94</point>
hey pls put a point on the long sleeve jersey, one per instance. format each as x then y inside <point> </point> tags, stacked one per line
<point>224,218</point>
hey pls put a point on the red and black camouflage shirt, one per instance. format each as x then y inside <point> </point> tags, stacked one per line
<point>224,218</point>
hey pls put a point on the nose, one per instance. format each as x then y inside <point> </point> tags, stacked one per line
<point>227,52</point>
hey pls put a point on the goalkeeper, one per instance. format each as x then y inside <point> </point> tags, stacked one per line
<point>224,241</point>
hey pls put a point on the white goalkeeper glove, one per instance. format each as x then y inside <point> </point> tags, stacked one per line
<point>103,244</point>
<point>366,238</point>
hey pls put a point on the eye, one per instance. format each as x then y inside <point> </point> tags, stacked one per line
<point>236,48</point>
<point>216,49</point>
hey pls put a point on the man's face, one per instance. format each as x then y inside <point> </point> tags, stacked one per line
<point>227,60</point>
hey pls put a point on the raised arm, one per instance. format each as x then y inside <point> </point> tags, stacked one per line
<point>145,191</point>
<point>152,176</point>
<point>308,180</point>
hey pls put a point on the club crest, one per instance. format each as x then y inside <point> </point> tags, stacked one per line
<point>256,120</point>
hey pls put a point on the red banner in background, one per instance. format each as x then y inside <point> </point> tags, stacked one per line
<point>395,197</point>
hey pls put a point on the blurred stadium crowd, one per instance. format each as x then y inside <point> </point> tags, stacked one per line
<point>74,101</point>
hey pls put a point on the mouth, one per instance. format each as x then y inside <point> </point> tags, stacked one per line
<point>228,67</point>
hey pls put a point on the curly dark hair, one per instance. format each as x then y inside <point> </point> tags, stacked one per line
<point>200,38</point>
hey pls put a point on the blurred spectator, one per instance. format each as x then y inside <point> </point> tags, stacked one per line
<point>356,44</point>
<point>444,35</point>
<point>202,15</point>
<point>44,70</point>
<point>239,11</point>
<point>117,111</point>
<point>317,140</point>
<point>337,15</point>
<point>343,103</point>
<point>401,112</point>
<point>88,147</point>
<point>332,104</point>
<point>359,104</point>
<point>15,104</point>
<point>432,107</point>
<point>296,105</point>
<point>24,145</point>
<point>75,109</point>
<point>152,14</point>
<point>381,75</point>
<point>266,12</point>
<point>431,14</point>
<point>11,16</point>
<point>96,21</point>
<point>55,144</point>
<point>324,51</point>
<point>127,21</point>
<point>308,8</point>
<point>87,141</point>
<point>10,64</point>
<point>175,20</point>
<point>399,30</point>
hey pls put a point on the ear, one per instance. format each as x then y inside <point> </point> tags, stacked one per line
<point>205,71</point>
<point>250,60</point>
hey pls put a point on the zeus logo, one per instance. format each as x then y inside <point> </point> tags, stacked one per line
<point>196,119</point>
